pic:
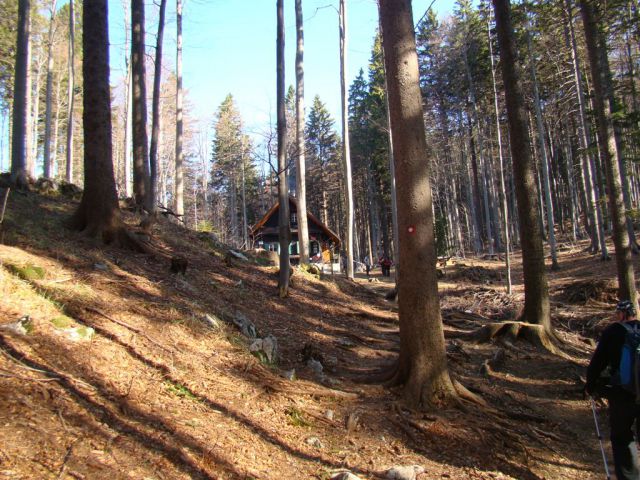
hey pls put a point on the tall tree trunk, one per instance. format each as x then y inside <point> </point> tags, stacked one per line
<point>32,158</point>
<point>49,98</point>
<point>481,153</point>
<point>28,134</point>
<point>152,194</point>
<point>503,190</point>
<point>303,227</point>
<point>536,300</point>
<point>626,281</point>
<point>477,208</point>
<point>127,131</point>
<point>126,170</point>
<point>284,228</point>
<point>588,164</point>
<point>392,174</point>
<point>139,110</point>
<point>3,125</point>
<point>423,361</point>
<point>472,198</point>
<point>98,213</point>
<point>544,161</point>
<point>56,123</point>
<point>20,105</point>
<point>70,93</point>
<point>616,110</point>
<point>346,153</point>
<point>243,193</point>
<point>179,184</point>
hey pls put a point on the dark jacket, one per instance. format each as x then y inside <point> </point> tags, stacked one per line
<point>608,354</point>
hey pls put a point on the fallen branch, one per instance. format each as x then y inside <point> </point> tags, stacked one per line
<point>50,374</point>
<point>167,211</point>
<point>4,374</point>
<point>130,327</point>
<point>66,459</point>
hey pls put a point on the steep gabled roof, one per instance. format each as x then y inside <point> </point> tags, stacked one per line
<point>330,233</point>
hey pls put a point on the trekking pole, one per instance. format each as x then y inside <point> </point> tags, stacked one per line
<point>604,456</point>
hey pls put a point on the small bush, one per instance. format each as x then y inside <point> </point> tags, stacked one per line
<point>296,417</point>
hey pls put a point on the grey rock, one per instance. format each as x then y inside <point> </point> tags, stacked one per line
<point>22,326</point>
<point>247,328</point>
<point>268,346</point>
<point>351,422</point>
<point>212,321</point>
<point>100,266</point>
<point>329,414</point>
<point>404,472</point>
<point>345,476</point>
<point>316,366</point>
<point>289,374</point>
<point>345,342</point>
<point>239,255</point>
<point>79,334</point>
<point>314,442</point>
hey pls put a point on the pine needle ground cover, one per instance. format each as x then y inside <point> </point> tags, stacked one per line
<point>120,376</point>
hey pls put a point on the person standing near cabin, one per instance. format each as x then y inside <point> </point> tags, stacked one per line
<point>367,265</point>
<point>624,410</point>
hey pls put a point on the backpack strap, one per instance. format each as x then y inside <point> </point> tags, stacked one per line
<point>632,327</point>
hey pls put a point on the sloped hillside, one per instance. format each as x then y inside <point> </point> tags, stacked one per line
<point>125,370</point>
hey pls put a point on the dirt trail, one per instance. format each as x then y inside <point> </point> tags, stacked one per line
<point>158,393</point>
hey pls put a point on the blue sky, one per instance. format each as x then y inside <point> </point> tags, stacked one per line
<point>230,47</point>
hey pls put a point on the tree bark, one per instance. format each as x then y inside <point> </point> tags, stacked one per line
<point>544,161</point>
<point>127,132</point>
<point>536,302</point>
<point>20,105</point>
<point>588,164</point>
<point>139,110</point>
<point>346,153</point>
<point>284,229</point>
<point>606,138</point>
<point>423,362</point>
<point>503,190</point>
<point>126,152</point>
<point>49,96</point>
<point>98,214</point>
<point>70,94</point>
<point>301,194</point>
<point>179,185</point>
<point>56,122</point>
<point>152,194</point>
<point>32,156</point>
<point>28,134</point>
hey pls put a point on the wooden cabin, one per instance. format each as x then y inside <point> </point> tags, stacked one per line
<point>322,240</point>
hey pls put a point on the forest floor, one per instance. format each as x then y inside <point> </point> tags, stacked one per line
<point>159,393</point>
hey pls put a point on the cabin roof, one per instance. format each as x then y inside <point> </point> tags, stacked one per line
<point>292,201</point>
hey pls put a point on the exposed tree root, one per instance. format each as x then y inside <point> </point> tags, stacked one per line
<point>509,332</point>
<point>466,394</point>
<point>385,376</point>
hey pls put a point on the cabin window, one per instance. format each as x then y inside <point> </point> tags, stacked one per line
<point>272,247</point>
<point>315,248</point>
<point>293,248</point>
<point>294,218</point>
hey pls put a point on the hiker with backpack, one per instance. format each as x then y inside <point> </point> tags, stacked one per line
<point>618,351</point>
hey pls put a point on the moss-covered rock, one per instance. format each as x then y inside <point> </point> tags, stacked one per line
<point>27,272</point>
